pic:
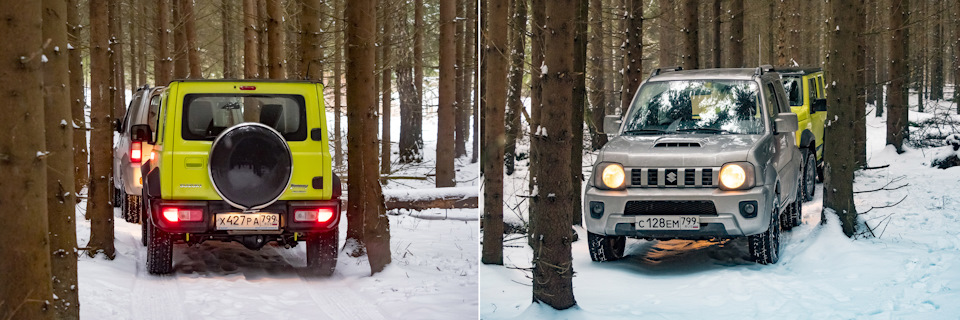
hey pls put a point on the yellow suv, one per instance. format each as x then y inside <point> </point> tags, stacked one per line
<point>244,161</point>
<point>804,88</point>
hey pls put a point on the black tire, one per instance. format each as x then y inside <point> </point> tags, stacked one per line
<point>794,215</point>
<point>159,251</point>
<point>116,197</point>
<point>808,180</point>
<point>605,248</point>
<point>122,204</point>
<point>131,205</point>
<point>765,247</point>
<point>145,220</point>
<point>322,251</point>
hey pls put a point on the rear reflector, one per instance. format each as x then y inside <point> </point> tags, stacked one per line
<point>174,214</point>
<point>248,88</point>
<point>136,154</point>
<point>313,215</point>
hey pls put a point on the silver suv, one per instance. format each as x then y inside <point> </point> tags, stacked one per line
<point>128,155</point>
<point>700,154</point>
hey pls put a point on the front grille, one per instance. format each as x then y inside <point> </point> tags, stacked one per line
<point>673,177</point>
<point>634,208</point>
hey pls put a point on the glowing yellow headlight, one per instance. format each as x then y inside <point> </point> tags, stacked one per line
<point>732,176</point>
<point>613,176</point>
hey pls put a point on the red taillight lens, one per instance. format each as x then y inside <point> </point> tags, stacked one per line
<point>313,215</point>
<point>248,88</point>
<point>136,153</point>
<point>174,214</point>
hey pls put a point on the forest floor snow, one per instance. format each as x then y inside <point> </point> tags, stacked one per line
<point>911,270</point>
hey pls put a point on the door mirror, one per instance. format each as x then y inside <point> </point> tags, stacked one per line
<point>141,133</point>
<point>611,125</point>
<point>786,122</point>
<point>117,125</point>
<point>819,105</point>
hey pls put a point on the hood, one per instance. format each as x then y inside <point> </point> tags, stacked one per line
<point>678,150</point>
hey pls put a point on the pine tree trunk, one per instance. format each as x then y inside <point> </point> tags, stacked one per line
<point>190,29</point>
<point>366,198</point>
<point>460,132</point>
<point>579,105</point>
<point>229,49</point>
<point>956,58</point>
<point>181,66</point>
<point>386,87</point>
<point>842,65</point>
<point>276,40</point>
<point>735,41</point>
<point>633,58</point>
<point>251,42</point>
<point>142,39</point>
<point>538,20</point>
<point>61,198</point>
<point>598,102</point>
<point>411,136</point>
<point>715,44</point>
<point>262,22</point>
<point>860,100</point>
<point>119,95</point>
<point>26,252</point>
<point>689,39</point>
<point>897,93</point>
<point>134,46</point>
<point>310,44</point>
<point>470,76</point>
<point>667,28</point>
<point>936,69</point>
<point>551,233</point>
<point>99,207</point>
<point>515,83</point>
<point>293,37</point>
<point>163,62</point>
<point>870,54</point>
<point>446,111</point>
<point>418,55</point>
<point>611,62</point>
<point>77,102</point>
<point>496,52</point>
<point>337,80</point>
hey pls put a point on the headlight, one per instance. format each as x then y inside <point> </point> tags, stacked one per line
<point>612,176</point>
<point>738,175</point>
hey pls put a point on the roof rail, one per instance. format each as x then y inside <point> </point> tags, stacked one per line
<point>658,71</point>
<point>763,69</point>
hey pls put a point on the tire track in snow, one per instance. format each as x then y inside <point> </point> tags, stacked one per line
<point>155,297</point>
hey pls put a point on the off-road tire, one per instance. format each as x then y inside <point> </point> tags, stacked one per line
<point>132,208</point>
<point>159,251</point>
<point>124,214</point>
<point>116,197</point>
<point>322,251</point>
<point>605,248</point>
<point>765,247</point>
<point>793,216</point>
<point>144,220</point>
<point>808,184</point>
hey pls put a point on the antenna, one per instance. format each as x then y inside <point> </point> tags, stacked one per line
<point>759,45</point>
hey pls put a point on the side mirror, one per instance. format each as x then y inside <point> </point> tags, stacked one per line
<point>117,125</point>
<point>819,105</point>
<point>611,125</point>
<point>786,122</point>
<point>141,133</point>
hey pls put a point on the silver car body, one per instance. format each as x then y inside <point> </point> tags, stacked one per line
<point>126,174</point>
<point>774,156</point>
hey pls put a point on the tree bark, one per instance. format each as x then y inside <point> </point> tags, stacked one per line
<point>551,233</point>
<point>418,56</point>
<point>181,66</point>
<point>460,131</point>
<point>579,105</point>
<point>897,93</point>
<point>26,252</point>
<point>689,39</point>
<point>956,58</point>
<point>386,63</point>
<point>667,28</point>
<point>735,41</point>
<point>251,42</point>
<point>337,78</point>
<point>276,40</point>
<point>470,62</point>
<point>633,58</point>
<point>310,42</point>
<point>134,46</point>
<point>841,64</point>
<point>411,133</point>
<point>77,102</point>
<point>190,32</point>
<point>366,197</point>
<point>496,52</point>
<point>61,198</point>
<point>229,48</point>
<point>598,100</point>
<point>715,32</point>
<point>936,69</point>
<point>446,111</point>
<point>99,207</point>
<point>515,82</point>
<point>163,62</point>
<point>860,99</point>
<point>119,95</point>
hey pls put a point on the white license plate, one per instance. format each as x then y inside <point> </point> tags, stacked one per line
<point>248,221</point>
<point>668,223</point>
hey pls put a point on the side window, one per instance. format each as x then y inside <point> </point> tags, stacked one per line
<point>131,114</point>
<point>820,80</point>
<point>772,105</point>
<point>152,119</point>
<point>812,85</point>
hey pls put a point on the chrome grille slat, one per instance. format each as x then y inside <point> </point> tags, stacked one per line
<point>697,177</point>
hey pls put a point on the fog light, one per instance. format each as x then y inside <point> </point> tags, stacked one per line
<point>596,209</point>
<point>748,209</point>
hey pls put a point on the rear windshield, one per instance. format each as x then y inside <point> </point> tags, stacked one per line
<point>205,116</point>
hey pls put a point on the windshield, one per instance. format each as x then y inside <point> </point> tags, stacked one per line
<point>695,106</point>
<point>205,116</point>
<point>792,86</point>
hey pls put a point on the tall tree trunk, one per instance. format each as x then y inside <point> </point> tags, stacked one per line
<point>860,99</point>
<point>311,47</point>
<point>337,80</point>
<point>61,198</point>
<point>515,83</point>
<point>897,110</point>
<point>842,65</point>
<point>418,57</point>
<point>181,66</point>
<point>470,60</point>
<point>99,208</point>
<point>251,43</point>
<point>190,29</point>
<point>715,32</point>
<point>460,132</point>
<point>735,40</point>
<point>496,52</point>
<point>293,37</point>
<point>229,48</point>
<point>598,102</point>
<point>612,62</point>
<point>142,39</point>
<point>276,40</point>
<point>633,58</point>
<point>936,69</point>
<point>77,102</point>
<point>668,36</point>
<point>386,87</point>
<point>579,105</point>
<point>870,52</point>
<point>956,58</point>
<point>262,21</point>
<point>782,26</point>
<point>26,252</point>
<point>689,39</point>
<point>552,262</point>
<point>538,19</point>
<point>411,135</point>
<point>162,62</point>
<point>446,111</point>
<point>119,95</point>
<point>132,31</point>
<point>366,197</point>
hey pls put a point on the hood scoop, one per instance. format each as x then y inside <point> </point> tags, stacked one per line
<point>677,143</point>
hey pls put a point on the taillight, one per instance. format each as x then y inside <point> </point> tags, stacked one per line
<point>153,156</point>
<point>313,215</point>
<point>248,88</point>
<point>136,153</point>
<point>174,214</point>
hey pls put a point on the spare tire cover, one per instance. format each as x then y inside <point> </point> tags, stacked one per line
<point>250,165</point>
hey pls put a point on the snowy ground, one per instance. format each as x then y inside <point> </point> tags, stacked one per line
<point>911,270</point>
<point>433,275</point>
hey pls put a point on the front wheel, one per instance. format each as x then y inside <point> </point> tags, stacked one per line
<point>765,247</point>
<point>605,248</point>
<point>809,180</point>
<point>322,251</point>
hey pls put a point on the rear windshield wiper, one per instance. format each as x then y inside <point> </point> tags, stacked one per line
<point>710,130</point>
<point>644,131</point>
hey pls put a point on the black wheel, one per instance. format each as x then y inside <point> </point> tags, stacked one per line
<point>132,208</point>
<point>808,182</point>
<point>765,247</point>
<point>145,220</point>
<point>159,251</point>
<point>122,204</point>
<point>322,250</point>
<point>116,197</point>
<point>605,248</point>
<point>794,215</point>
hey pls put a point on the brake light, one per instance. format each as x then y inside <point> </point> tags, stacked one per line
<point>136,153</point>
<point>153,156</point>
<point>313,215</point>
<point>174,214</point>
<point>248,88</point>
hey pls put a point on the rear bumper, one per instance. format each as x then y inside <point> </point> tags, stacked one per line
<point>208,225</point>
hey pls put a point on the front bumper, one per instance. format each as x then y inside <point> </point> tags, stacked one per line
<point>726,223</point>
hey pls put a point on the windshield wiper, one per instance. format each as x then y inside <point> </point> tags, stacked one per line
<point>710,130</point>
<point>644,131</point>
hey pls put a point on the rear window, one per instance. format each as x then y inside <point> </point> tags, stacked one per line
<point>205,116</point>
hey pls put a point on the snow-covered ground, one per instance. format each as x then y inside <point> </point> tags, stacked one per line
<point>433,275</point>
<point>911,270</point>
